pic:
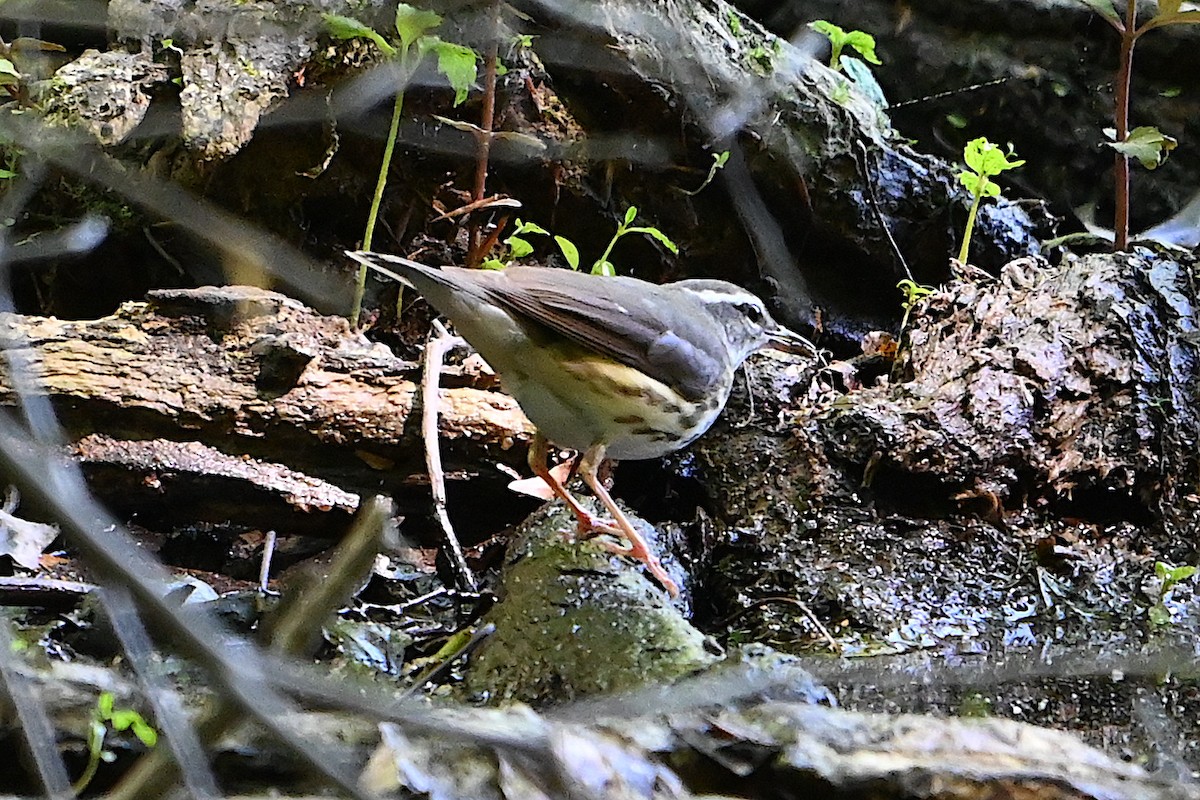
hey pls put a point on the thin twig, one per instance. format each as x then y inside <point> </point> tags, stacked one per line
<point>440,343</point>
<point>808,612</point>
<point>437,671</point>
<point>295,627</point>
<point>874,201</point>
<point>495,201</point>
<point>483,142</point>
<point>264,567</point>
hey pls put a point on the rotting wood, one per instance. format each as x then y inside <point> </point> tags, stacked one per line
<point>248,374</point>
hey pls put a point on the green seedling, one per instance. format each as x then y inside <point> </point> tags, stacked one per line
<point>984,161</point>
<point>1168,578</point>
<point>104,718</point>
<point>913,292</point>
<point>839,39</point>
<point>520,247</point>
<point>602,266</point>
<point>854,68</point>
<point>454,61</point>
<point>719,160</point>
<point>1145,143</point>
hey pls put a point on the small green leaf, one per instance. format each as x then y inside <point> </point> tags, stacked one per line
<point>913,292</point>
<point>1181,574</point>
<point>349,28</point>
<point>827,28</point>
<point>492,263</point>
<point>1170,575</point>
<point>630,215</point>
<point>340,27</point>
<point>145,732</point>
<point>864,43</point>
<point>1147,144</point>
<point>971,182</point>
<point>457,63</point>
<point>661,237</point>
<point>519,247</point>
<point>1159,615</point>
<point>104,705</point>
<point>569,250</point>
<point>719,159</point>
<point>529,227</point>
<point>604,268</point>
<point>987,158</point>
<point>956,120</point>
<point>123,718</point>
<point>413,23</point>
<point>839,39</point>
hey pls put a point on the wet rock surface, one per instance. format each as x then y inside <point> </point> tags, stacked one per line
<point>998,511</point>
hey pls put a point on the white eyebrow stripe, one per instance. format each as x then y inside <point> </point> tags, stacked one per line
<point>710,296</point>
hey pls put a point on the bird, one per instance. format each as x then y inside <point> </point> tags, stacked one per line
<point>608,366</point>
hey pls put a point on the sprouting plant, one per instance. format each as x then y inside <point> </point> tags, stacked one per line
<point>984,161</point>
<point>454,61</point>
<point>719,160</point>
<point>855,68</point>
<point>602,266</point>
<point>839,39</point>
<point>104,718</point>
<point>913,292</point>
<point>1168,578</point>
<point>519,246</point>
<point>1147,144</point>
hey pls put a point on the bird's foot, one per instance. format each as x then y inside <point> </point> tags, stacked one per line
<point>592,527</point>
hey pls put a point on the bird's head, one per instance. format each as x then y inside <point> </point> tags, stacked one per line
<point>743,316</point>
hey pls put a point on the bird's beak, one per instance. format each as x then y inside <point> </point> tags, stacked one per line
<point>790,342</point>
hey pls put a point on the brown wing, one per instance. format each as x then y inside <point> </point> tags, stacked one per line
<point>663,332</point>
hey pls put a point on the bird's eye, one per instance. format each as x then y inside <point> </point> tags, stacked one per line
<point>752,312</point>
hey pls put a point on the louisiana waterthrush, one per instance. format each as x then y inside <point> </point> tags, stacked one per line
<point>609,366</point>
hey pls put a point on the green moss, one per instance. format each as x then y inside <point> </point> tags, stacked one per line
<point>576,620</point>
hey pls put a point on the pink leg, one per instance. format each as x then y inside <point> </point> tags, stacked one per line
<point>589,525</point>
<point>539,451</point>
<point>638,548</point>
